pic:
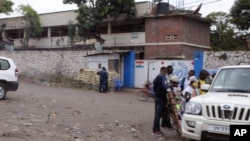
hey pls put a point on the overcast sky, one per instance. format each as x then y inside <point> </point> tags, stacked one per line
<point>46,6</point>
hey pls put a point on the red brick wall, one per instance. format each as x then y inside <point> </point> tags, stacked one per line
<point>189,51</point>
<point>161,50</point>
<point>196,32</point>
<point>156,29</point>
<point>150,52</point>
<point>188,30</point>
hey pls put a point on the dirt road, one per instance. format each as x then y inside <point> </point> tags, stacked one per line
<point>49,113</point>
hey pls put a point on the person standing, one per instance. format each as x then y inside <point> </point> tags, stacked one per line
<point>103,85</point>
<point>160,87</point>
<point>165,123</point>
<point>189,92</point>
<point>186,80</point>
<point>203,75</point>
<point>170,70</point>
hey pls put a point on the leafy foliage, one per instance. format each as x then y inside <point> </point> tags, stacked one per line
<point>223,36</point>
<point>71,32</point>
<point>32,26</point>
<point>6,6</point>
<point>92,12</point>
<point>240,13</point>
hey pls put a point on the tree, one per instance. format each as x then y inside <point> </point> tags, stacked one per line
<point>32,26</point>
<point>92,12</point>
<point>223,36</point>
<point>6,6</point>
<point>71,32</point>
<point>240,13</point>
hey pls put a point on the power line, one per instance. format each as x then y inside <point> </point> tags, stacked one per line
<point>194,2</point>
<point>203,4</point>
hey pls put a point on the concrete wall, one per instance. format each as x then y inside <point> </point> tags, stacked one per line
<point>124,39</point>
<point>94,61</point>
<point>48,65</point>
<point>144,8</point>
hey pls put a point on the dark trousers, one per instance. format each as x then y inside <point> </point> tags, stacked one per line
<point>160,110</point>
<point>165,121</point>
<point>103,86</point>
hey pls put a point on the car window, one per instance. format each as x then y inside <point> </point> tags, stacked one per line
<point>233,79</point>
<point>4,64</point>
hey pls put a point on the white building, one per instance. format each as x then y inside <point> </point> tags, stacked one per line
<point>55,29</point>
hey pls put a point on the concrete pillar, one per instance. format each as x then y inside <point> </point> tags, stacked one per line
<point>109,27</point>
<point>248,42</point>
<point>77,30</point>
<point>49,32</point>
<point>4,34</point>
<point>24,34</point>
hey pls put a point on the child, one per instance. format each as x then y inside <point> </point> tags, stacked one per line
<point>189,92</point>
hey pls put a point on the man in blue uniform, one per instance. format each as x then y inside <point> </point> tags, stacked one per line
<point>103,85</point>
<point>160,87</point>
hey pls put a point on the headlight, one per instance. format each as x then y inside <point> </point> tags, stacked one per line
<point>193,108</point>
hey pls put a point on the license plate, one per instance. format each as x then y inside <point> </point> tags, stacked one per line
<point>219,128</point>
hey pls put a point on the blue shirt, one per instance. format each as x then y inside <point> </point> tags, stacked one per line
<point>160,87</point>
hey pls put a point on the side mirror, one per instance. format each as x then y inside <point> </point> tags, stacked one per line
<point>205,87</point>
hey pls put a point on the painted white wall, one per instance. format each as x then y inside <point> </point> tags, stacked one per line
<point>93,61</point>
<point>62,18</point>
<point>141,73</point>
<point>119,39</point>
<point>149,69</point>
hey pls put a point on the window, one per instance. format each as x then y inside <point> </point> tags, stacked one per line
<point>14,34</point>
<point>114,65</point>
<point>59,31</point>
<point>4,64</point>
<point>45,32</point>
<point>232,80</point>
<point>134,35</point>
<point>171,37</point>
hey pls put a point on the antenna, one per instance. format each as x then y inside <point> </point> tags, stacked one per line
<point>196,11</point>
<point>180,4</point>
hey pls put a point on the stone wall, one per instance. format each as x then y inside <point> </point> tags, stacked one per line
<point>215,60</point>
<point>48,65</point>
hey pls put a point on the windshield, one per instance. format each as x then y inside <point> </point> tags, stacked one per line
<point>232,80</point>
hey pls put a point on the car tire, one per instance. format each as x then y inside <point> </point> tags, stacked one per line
<point>2,91</point>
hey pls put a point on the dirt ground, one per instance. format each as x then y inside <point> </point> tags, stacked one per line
<point>42,112</point>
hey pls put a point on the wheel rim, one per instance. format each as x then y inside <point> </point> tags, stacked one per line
<point>1,92</point>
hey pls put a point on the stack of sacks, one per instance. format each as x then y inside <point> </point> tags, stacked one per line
<point>87,76</point>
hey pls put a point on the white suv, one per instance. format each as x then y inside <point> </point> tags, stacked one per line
<point>8,76</point>
<point>227,102</point>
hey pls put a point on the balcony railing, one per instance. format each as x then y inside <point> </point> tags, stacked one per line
<point>111,40</point>
<point>124,39</point>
